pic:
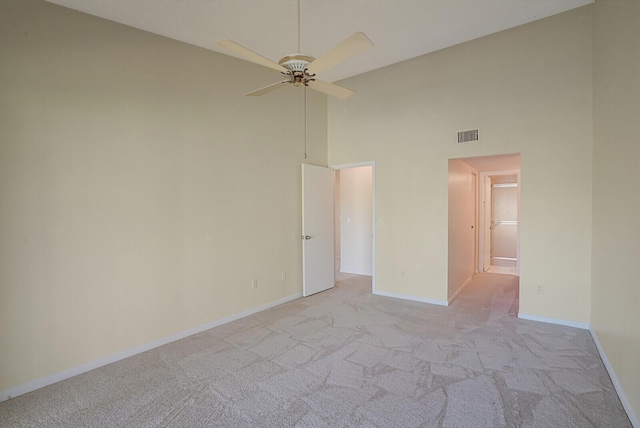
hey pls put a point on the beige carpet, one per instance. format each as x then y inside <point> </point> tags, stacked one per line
<point>347,358</point>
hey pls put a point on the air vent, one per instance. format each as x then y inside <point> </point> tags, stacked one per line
<point>466,136</point>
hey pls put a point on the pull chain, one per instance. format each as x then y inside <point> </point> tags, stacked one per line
<point>305,90</point>
<point>305,122</point>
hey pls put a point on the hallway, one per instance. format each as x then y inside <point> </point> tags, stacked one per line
<point>496,293</point>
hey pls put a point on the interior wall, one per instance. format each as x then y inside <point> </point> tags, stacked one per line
<point>616,201</point>
<point>528,90</point>
<point>356,220</point>
<point>140,190</point>
<point>462,232</point>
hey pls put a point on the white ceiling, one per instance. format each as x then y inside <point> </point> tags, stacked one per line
<point>400,29</point>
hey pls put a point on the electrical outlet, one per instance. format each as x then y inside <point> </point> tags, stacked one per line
<point>539,288</point>
<point>284,275</point>
<point>254,283</point>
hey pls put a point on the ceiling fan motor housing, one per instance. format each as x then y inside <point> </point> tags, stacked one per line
<point>297,66</point>
<point>296,62</point>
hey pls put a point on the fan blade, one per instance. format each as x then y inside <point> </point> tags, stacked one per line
<point>268,89</point>
<point>352,46</point>
<point>331,89</point>
<point>251,55</point>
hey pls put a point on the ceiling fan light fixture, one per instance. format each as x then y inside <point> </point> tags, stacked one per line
<point>296,62</point>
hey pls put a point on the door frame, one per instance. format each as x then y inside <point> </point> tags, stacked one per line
<point>484,245</point>
<point>476,214</point>
<point>482,220</point>
<point>372,164</point>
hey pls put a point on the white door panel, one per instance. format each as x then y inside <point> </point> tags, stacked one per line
<point>317,229</point>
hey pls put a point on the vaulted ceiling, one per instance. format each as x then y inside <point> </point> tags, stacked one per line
<point>400,29</point>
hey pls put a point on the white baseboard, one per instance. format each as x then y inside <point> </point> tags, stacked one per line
<point>457,293</point>
<point>614,379</point>
<point>603,356</point>
<point>74,371</point>
<point>412,298</point>
<point>581,325</point>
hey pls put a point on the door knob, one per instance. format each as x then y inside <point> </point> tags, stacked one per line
<point>306,237</point>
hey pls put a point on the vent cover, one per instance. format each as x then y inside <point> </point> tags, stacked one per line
<point>466,136</point>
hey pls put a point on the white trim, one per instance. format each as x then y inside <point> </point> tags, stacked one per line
<point>457,293</point>
<point>74,371</point>
<point>372,164</point>
<point>614,379</point>
<point>581,325</point>
<point>412,298</point>
<point>603,356</point>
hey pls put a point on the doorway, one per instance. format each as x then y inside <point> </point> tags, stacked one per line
<point>498,232</point>
<point>354,220</point>
<point>503,236</point>
<point>478,242</point>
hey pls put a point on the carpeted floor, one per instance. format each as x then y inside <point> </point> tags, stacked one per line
<point>348,358</point>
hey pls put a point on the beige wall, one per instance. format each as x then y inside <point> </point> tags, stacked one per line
<point>462,216</point>
<point>140,190</point>
<point>133,175</point>
<point>616,199</point>
<point>529,91</point>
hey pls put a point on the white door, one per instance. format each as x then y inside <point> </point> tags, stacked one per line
<point>317,229</point>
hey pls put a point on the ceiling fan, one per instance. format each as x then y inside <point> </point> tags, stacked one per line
<point>301,69</point>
